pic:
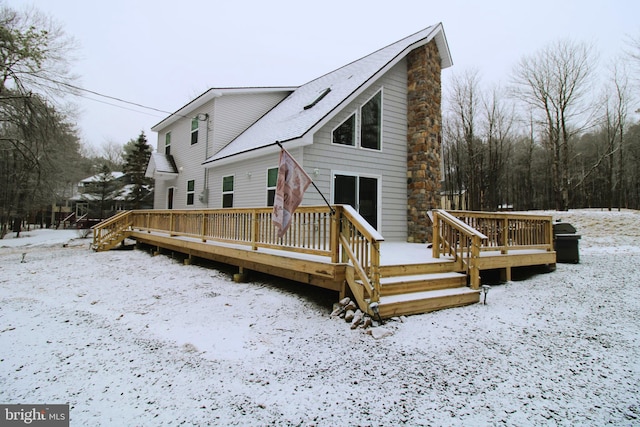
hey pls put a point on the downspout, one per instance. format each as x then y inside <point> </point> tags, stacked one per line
<point>204,196</point>
<point>206,170</point>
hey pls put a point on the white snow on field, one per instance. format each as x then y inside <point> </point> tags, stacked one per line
<point>130,339</point>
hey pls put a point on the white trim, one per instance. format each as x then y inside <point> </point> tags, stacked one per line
<point>356,128</point>
<point>267,188</point>
<point>173,189</point>
<point>358,175</point>
<point>192,192</point>
<point>381,133</point>
<point>164,148</point>
<point>211,94</point>
<point>259,152</point>
<point>232,192</point>
<point>436,33</point>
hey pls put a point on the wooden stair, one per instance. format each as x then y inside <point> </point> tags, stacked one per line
<point>111,232</point>
<point>420,288</point>
<point>110,242</point>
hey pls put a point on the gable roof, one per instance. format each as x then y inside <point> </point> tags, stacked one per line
<point>192,106</point>
<point>311,105</point>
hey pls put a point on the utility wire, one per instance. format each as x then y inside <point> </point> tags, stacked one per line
<point>78,88</point>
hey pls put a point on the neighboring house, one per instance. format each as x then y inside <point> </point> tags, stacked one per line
<point>97,196</point>
<point>369,135</point>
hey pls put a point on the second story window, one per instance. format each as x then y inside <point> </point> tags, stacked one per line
<point>272,181</point>
<point>167,143</point>
<point>191,191</point>
<point>371,114</point>
<point>195,124</point>
<point>345,134</point>
<point>227,191</point>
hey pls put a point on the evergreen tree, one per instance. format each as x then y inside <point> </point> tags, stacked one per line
<point>136,158</point>
<point>102,191</point>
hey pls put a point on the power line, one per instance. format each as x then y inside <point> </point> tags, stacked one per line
<point>78,88</point>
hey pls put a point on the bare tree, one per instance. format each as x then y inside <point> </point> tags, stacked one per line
<point>36,55</point>
<point>112,154</point>
<point>498,137</point>
<point>554,83</point>
<point>34,136</point>
<point>464,101</point>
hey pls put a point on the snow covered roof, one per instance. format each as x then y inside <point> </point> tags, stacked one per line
<point>98,177</point>
<point>161,165</point>
<point>310,105</point>
<point>190,108</point>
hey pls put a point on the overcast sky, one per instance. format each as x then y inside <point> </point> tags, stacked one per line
<point>162,54</point>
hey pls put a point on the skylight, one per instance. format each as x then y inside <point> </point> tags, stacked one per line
<point>318,99</point>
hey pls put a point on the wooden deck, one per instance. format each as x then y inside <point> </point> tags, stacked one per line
<point>340,252</point>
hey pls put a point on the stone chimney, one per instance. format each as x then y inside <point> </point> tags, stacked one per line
<point>424,127</point>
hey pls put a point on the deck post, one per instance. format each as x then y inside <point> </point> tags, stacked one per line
<point>505,236</point>
<point>435,245</point>
<point>255,230</point>
<point>171,224</point>
<point>474,268</point>
<point>241,275</point>
<point>375,271</point>
<point>334,236</point>
<point>204,226</point>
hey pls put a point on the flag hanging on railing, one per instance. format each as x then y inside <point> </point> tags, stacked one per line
<point>292,183</point>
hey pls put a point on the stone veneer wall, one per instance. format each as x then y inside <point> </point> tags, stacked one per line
<point>424,127</point>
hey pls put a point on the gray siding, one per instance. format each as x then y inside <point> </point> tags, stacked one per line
<point>250,181</point>
<point>235,113</point>
<point>389,164</point>
<point>250,176</point>
<point>229,115</point>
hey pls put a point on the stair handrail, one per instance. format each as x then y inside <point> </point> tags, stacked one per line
<point>453,237</point>
<point>360,246</point>
<point>110,227</point>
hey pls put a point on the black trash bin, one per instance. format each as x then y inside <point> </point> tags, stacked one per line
<point>565,242</point>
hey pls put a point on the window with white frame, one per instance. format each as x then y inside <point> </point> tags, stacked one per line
<point>195,125</point>
<point>191,191</point>
<point>272,182</point>
<point>345,133</point>
<point>227,191</point>
<point>371,123</point>
<point>364,128</point>
<point>167,143</point>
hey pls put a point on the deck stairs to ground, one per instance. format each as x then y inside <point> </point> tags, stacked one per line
<point>117,229</point>
<point>420,288</point>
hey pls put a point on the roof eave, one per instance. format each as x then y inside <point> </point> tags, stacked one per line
<point>210,95</point>
<point>259,151</point>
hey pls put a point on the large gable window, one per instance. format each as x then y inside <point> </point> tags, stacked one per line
<point>371,119</point>
<point>363,128</point>
<point>227,191</point>
<point>195,125</point>
<point>345,134</point>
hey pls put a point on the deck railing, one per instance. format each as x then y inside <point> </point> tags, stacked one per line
<point>507,231</point>
<point>360,245</point>
<point>107,233</point>
<point>453,237</point>
<point>343,235</point>
<point>309,232</point>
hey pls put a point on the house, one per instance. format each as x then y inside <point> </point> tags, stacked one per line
<point>94,198</point>
<point>368,133</point>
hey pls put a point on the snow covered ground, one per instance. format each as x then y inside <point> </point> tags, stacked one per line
<point>130,339</point>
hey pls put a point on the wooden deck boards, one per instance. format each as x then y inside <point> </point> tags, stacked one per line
<point>319,270</point>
